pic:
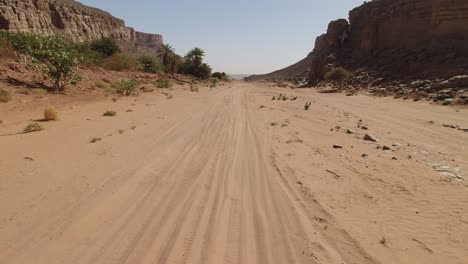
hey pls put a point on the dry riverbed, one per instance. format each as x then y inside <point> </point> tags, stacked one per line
<point>228,175</point>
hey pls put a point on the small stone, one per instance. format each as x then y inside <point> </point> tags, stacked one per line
<point>349,131</point>
<point>364,128</point>
<point>386,148</point>
<point>394,158</point>
<point>337,146</point>
<point>364,155</point>
<point>372,138</point>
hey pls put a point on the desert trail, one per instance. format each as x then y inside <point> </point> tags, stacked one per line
<point>228,175</point>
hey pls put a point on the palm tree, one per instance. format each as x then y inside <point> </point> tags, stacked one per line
<point>166,53</point>
<point>177,60</point>
<point>196,56</point>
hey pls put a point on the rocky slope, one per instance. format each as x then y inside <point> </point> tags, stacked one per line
<point>297,73</point>
<point>391,43</point>
<point>73,19</point>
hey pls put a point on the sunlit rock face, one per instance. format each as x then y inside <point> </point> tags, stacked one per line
<point>78,22</point>
<point>397,36</point>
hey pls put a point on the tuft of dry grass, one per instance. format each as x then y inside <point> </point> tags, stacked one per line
<point>50,114</point>
<point>383,241</point>
<point>33,127</point>
<point>94,140</point>
<point>4,96</point>
<point>23,90</point>
<point>109,113</point>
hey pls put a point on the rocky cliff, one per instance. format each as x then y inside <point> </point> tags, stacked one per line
<point>394,39</point>
<point>73,19</point>
<point>401,38</point>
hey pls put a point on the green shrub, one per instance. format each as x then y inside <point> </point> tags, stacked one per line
<point>149,65</point>
<point>222,76</point>
<point>89,57</point>
<point>163,83</point>
<point>127,87</point>
<point>5,96</point>
<point>119,62</point>
<point>54,56</point>
<point>338,75</point>
<point>203,71</point>
<point>105,46</point>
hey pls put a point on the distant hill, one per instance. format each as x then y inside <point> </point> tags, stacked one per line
<point>238,76</point>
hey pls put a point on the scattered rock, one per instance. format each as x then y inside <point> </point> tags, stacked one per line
<point>337,146</point>
<point>365,155</point>
<point>372,138</point>
<point>394,158</point>
<point>385,148</point>
<point>349,131</point>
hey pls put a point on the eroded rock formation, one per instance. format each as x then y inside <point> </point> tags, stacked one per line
<point>397,39</point>
<point>390,40</point>
<point>68,17</point>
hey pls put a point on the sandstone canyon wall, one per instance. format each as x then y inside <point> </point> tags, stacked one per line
<point>397,39</point>
<point>68,17</point>
<point>391,39</point>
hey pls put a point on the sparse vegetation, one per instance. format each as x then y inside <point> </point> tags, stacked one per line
<point>213,83</point>
<point>338,75</point>
<point>50,114</point>
<point>127,87</point>
<point>307,105</point>
<point>163,83</point>
<point>5,96</point>
<point>33,127</point>
<point>23,90</point>
<point>119,62</point>
<point>100,85</point>
<point>447,102</point>
<point>109,113</point>
<point>193,86</point>
<point>54,56</point>
<point>148,64</point>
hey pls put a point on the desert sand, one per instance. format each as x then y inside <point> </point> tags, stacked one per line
<point>228,175</point>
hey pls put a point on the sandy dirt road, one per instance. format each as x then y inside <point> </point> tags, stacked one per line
<point>229,176</point>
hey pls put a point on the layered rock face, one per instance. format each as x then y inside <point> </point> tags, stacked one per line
<point>397,38</point>
<point>70,18</point>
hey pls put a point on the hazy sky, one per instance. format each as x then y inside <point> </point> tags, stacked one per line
<point>238,36</point>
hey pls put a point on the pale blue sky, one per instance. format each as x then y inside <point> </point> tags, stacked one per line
<point>238,36</point>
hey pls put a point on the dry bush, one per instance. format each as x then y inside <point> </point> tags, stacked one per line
<point>33,127</point>
<point>4,96</point>
<point>50,114</point>
<point>109,113</point>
